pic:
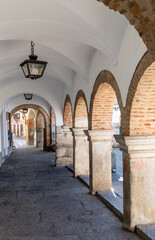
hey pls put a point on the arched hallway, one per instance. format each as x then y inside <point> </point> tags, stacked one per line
<point>42,202</point>
<point>97,91</point>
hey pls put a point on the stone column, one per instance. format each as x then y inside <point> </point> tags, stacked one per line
<point>64,146</point>
<point>30,137</point>
<point>139,179</point>
<point>100,160</point>
<point>81,152</point>
<point>39,137</point>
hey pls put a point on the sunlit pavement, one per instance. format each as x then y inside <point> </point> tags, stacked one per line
<point>117,177</point>
<point>20,143</point>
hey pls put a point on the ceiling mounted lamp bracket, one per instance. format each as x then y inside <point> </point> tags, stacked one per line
<point>28,96</point>
<point>33,68</point>
<point>25,110</point>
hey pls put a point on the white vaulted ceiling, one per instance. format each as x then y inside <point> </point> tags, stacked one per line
<point>67,34</point>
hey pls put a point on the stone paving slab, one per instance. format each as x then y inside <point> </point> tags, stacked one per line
<point>41,202</point>
<point>146,232</point>
<point>112,201</point>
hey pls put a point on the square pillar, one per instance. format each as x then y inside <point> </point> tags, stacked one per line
<point>80,152</point>
<point>100,160</point>
<point>30,136</point>
<point>139,179</point>
<point>64,150</point>
<point>39,137</point>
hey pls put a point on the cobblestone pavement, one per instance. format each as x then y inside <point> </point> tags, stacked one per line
<point>41,202</point>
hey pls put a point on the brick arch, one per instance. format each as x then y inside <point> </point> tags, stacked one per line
<point>102,101</point>
<point>43,111</point>
<point>142,112</point>
<point>144,63</point>
<point>80,110</point>
<point>68,118</point>
<point>39,120</point>
<point>141,14</point>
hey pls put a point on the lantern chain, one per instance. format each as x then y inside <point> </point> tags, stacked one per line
<point>32,48</point>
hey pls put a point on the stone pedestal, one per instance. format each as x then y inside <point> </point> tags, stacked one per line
<point>100,160</point>
<point>64,146</point>
<point>139,179</point>
<point>81,152</point>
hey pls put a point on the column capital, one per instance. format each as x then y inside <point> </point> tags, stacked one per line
<point>66,129</point>
<point>137,145</point>
<point>100,135</point>
<point>79,132</point>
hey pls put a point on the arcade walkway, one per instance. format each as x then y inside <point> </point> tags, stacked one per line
<point>41,202</point>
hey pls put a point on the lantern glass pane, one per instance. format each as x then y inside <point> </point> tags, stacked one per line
<point>36,69</point>
<point>25,69</point>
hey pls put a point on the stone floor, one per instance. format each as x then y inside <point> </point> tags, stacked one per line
<point>41,202</point>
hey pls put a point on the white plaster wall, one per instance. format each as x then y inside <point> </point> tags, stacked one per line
<point>51,93</point>
<point>79,39</point>
<point>20,100</point>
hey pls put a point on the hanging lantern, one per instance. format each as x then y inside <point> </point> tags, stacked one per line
<point>32,68</point>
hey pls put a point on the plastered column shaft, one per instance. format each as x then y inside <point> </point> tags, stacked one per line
<point>139,179</point>
<point>64,144</point>
<point>81,152</point>
<point>100,160</point>
<point>39,137</point>
<point>30,136</point>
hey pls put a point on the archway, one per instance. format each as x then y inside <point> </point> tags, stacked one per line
<point>142,112</point>
<point>145,62</point>
<point>47,119</point>
<point>64,151</point>
<point>80,111</point>
<point>137,144</point>
<point>104,95</point>
<point>68,112</point>
<point>80,143</point>
<point>138,148</point>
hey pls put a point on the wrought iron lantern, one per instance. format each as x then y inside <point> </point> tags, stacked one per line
<point>32,68</point>
<point>24,110</point>
<point>28,96</point>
